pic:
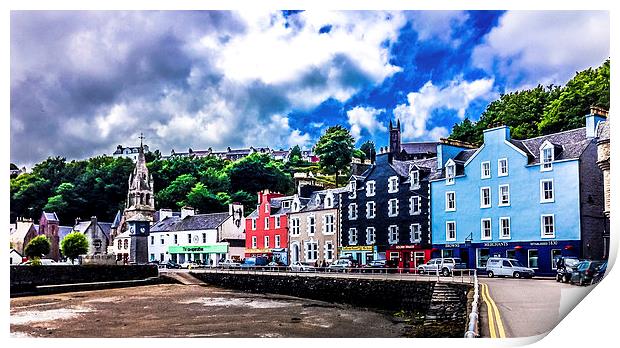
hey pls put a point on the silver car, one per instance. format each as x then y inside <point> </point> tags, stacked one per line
<point>503,267</point>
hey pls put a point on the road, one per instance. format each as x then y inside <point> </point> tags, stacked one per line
<point>526,307</point>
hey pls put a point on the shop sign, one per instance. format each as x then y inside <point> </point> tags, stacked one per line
<point>452,245</point>
<point>406,246</point>
<point>257,251</point>
<point>200,249</point>
<point>357,248</point>
<point>496,244</point>
<point>548,242</point>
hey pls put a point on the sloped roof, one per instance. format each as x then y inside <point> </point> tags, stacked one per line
<point>117,219</point>
<point>51,216</point>
<point>311,203</point>
<point>573,142</point>
<point>82,226</point>
<point>419,147</point>
<point>20,231</point>
<point>63,231</point>
<point>190,222</point>
<point>602,130</point>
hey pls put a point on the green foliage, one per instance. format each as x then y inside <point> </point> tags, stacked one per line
<point>248,200</point>
<point>257,172</point>
<point>37,247</point>
<point>370,150</point>
<point>295,155</point>
<point>541,110</point>
<point>36,261</point>
<point>335,149</point>
<point>174,195</point>
<point>73,245</point>
<point>204,201</point>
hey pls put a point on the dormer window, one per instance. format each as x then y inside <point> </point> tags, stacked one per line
<point>393,184</point>
<point>546,157</point>
<point>352,188</point>
<point>295,207</point>
<point>329,201</point>
<point>286,204</point>
<point>370,188</point>
<point>414,177</point>
<point>450,173</point>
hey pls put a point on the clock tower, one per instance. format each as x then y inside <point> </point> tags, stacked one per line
<point>139,228</point>
<point>395,138</point>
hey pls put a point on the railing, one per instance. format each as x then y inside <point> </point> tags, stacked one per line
<point>456,276</point>
<point>472,327</point>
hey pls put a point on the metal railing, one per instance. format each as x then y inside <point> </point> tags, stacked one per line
<point>472,327</point>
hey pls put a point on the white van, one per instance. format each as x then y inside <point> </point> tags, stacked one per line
<point>502,267</point>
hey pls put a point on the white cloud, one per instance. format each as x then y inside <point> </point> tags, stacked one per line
<point>365,118</point>
<point>457,95</point>
<point>441,25</point>
<point>545,46</point>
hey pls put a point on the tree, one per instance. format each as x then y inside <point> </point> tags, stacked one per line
<point>248,200</point>
<point>176,193</point>
<point>204,201</point>
<point>74,245</point>
<point>335,149</point>
<point>370,150</point>
<point>295,155</point>
<point>257,172</point>
<point>37,247</point>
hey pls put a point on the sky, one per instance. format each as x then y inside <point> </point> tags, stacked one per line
<point>84,82</point>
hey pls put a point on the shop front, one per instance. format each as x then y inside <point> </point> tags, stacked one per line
<point>538,255</point>
<point>209,254</point>
<point>362,254</point>
<point>277,254</point>
<point>408,257</point>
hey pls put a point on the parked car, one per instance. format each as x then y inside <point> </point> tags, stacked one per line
<point>585,271</point>
<point>600,273</point>
<point>445,266</point>
<point>254,262</point>
<point>188,264</point>
<point>229,264</point>
<point>340,265</point>
<point>172,265</point>
<point>374,266</point>
<point>565,267</point>
<point>502,267</point>
<point>301,267</point>
<point>44,262</point>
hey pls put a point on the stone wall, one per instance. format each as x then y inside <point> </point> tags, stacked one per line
<point>27,278</point>
<point>392,295</point>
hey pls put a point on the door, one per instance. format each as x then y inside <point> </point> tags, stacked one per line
<point>295,253</point>
<point>406,260</point>
<point>506,268</point>
<point>418,259</point>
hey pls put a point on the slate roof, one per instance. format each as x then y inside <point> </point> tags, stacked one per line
<point>572,143</point>
<point>20,231</point>
<point>276,205</point>
<point>602,130</point>
<point>51,217</point>
<point>117,219</point>
<point>190,222</point>
<point>311,204</point>
<point>419,147</point>
<point>63,231</point>
<point>82,226</point>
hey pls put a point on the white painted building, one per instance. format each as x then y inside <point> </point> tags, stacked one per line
<point>15,257</point>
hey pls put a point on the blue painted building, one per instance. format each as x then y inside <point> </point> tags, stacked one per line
<point>530,199</point>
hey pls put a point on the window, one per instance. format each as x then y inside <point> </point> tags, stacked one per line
<point>370,235</point>
<point>152,257</point>
<point>311,225</point>
<point>294,226</point>
<point>312,251</point>
<point>485,170</point>
<point>485,229</point>
<point>189,237</point>
<point>267,223</point>
<point>482,255</point>
<point>254,224</point>
<point>414,205</point>
<point>277,221</point>
<point>329,251</point>
<point>450,231</point>
<point>352,211</point>
<point>126,244</point>
<point>485,197</point>
<point>204,237</point>
<point>547,226</point>
<point>546,191</point>
<point>266,240</point>
<point>502,167</point>
<point>393,207</point>
<point>555,253</point>
<point>504,228</point>
<point>393,184</point>
<point>352,236</point>
<point>416,233</point>
<point>450,173</point>
<point>176,241</point>
<point>161,240</point>
<point>267,207</point>
<point>511,254</point>
<point>328,201</point>
<point>393,234</point>
<point>371,210</point>
<point>415,179</point>
<point>370,188</point>
<point>120,244</point>
<point>254,242</point>
<point>546,158</point>
<point>451,201</point>
<point>295,207</point>
<point>286,204</point>
<point>532,258</point>
<point>152,240</point>
<point>352,187</point>
<point>328,224</point>
<point>504,195</point>
<point>277,241</point>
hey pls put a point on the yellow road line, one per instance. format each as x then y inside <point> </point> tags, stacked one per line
<point>489,311</point>
<point>498,318</point>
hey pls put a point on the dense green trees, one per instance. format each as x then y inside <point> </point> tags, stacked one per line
<point>369,149</point>
<point>335,149</point>
<point>73,245</point>
<point>542,110</point>
<point>37,247</point>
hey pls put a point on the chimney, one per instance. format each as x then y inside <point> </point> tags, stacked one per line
<point>596,115</point>
<point>164,213</point>
<point>77,220</point>
<point>186,211</point>
<point>93,221</point>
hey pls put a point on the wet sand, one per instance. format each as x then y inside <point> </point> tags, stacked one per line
<point>174,310</point>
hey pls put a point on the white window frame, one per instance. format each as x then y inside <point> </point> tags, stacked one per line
<point>499,167</point>
<point>390,214</point>
<point>450,166</point>
<point>542,191</point>
<point>414,178</point>
<point>327,251</point>
<point>267,222</point>
<point>277,241</point>
<point>295,226</point>
<point>390,239</point>
<point>266,242</point>
<point>528,258</point>
<point>267,205</point>
<point>371,232</point>
<point>329,201</point>
<point>482,229</point>
<point>277,221</point>
<point>352,211</point>
<point>371,188</point>
<point>311,225</point>
<point>482,170</point>
<point>546,166</point>
<point>326,224</point>
<point>254,224</point>
<point>415,208</point>
<point>482,205</point>
<point>501,228</point>
<point>371,213</point>
<point>393,188</point>
<point>448,208</point>
<point>542,226</point>
<point>352,189</point>
<point>413,234</point>
<point>499,195</point>
<point>352,236</point>
<point>312,251</point>
<point>448,239</point>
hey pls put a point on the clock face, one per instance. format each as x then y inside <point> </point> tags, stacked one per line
<point>195,239</point>
<point>142,230</point>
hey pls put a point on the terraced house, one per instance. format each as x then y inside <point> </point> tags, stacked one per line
<point>385,212</point>
<point>314,227</point>
<point>532,199</point>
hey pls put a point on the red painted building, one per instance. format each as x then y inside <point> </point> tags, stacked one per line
<point>266,230</point>
<point>49,226</point>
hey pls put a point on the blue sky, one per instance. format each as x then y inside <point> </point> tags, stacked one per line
<point>83,82</point>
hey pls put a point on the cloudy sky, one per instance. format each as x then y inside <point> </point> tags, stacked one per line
<point>83,82</point>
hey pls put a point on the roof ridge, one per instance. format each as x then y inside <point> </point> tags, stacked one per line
<point>548,135</point>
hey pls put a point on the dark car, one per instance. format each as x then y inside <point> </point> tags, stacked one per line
<point>600,273</point>
<point>565,267</point>
<point>172,265</point>
<point>374,266</point>
<point>584,272</point>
